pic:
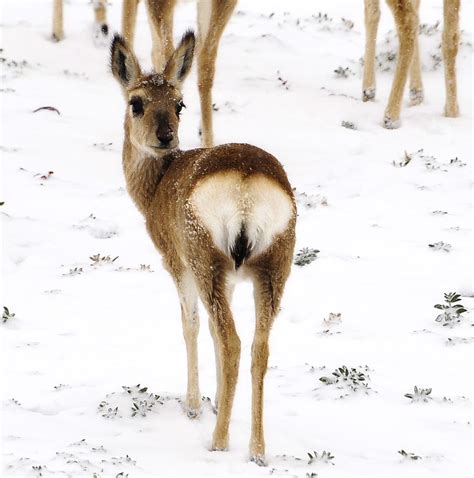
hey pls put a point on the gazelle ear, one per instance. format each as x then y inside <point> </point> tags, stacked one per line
<point>123,62</point>
<point>178,66</point>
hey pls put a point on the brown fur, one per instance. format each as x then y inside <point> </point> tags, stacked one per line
<point>405,13</point>
<point>160,15</point>
<point>162,183</point>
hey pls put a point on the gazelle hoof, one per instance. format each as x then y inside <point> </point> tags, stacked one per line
<point>101,34</point>
<point>368,94</point>
<point>416,97</point>
<point>193,413</point>
<point>451,111</point>
<point>259,460</point>
<point>390,123</point>
<point>57,37</point>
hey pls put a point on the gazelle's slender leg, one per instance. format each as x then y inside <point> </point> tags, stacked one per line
<point>189,315</point>
<point>450,51</point>
<point>406,22</point>
<point>230,290</point>
<point>416,83</point>
<point>58,30</point>
<point>270,273</point>
<point>213,16</point>
<point>129,20</point>
<point>211,280</point>
<point>160,16</point>
<point>372,17</point>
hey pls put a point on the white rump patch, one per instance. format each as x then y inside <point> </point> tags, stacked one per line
<point>226,203</point>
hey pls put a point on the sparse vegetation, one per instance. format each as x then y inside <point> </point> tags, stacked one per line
<point>324,457</point>
<point>98,260</point>
<point>409,455</point>
<point>352,379</point>
<point>7,315</point>
<point>348,125</point>
<point>440,246</point>
<point>419,395</point>
<point>452,311</point>
<point>305,256</point>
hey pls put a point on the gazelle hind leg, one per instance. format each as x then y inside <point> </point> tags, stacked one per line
<point>213,16</point>
<point>58,29</point>
<point>269,275</point>
<point>129,20</point>
<point>416,83</point>
<point>160,17</point>
<point>190,319</point>
<point>372,17</point>
<point>450,51</point>
<point>406,22</point>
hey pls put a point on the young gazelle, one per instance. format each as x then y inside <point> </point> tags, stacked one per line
<point>215,215</point>
<point>405,13</point>
<point>100,14</point>
<point>213,16</point>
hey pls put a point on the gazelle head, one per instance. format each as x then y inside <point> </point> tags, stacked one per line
<point>154,100</point>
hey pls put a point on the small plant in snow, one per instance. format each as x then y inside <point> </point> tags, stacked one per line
<point>438,212</point>
<point>305,256</point>
<point>419,395</point>
<point>74,272</point>
<point>349,125</point>
<point>404,162</point>
<point>353,379</point>
<point>106,410</point>
<point>348,24</point>
<point>324,457</point>
<point>456,162</point>
<point>440,246</point>
<point>409,455</point>
<point>427,29</point>
<point>452,312</point>
<point>98,260</point>
<point>61,386</point>
<point>341,72</point>
<point>333,319</point>
<point>283,83</point>
<point>7,315</point>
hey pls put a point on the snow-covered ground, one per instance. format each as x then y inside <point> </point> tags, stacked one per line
<point>83,327</point>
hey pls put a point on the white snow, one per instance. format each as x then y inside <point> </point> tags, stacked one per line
<point>83,331</point>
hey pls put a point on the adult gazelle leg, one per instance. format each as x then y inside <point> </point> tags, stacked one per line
<point>58,30</point>
<point>213,16</point>
<point>406,22</point>
<point>450,51</point>
<point>129,20</point>
<point>372,17</point>
<point>416,83</point>
<point>189,315</point>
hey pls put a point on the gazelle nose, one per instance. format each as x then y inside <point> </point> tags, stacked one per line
<point>164,137</point>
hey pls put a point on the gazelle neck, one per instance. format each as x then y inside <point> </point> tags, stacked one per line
<point>143,173</point>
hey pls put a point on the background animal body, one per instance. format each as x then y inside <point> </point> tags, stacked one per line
<point>85,327</point>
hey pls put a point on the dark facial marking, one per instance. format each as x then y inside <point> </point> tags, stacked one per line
<point>137,106</point>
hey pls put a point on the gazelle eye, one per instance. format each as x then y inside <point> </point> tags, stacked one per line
<point>180,105</point>
<point>137,106</point>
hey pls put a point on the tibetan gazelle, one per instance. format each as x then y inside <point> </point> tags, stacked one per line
<point>215,215</point>
<point>405,13</point>
<point>213,16</point>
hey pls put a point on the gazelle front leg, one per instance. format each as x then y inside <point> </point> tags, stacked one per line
<point>213,16</point>
<point>406,22</point>
<point>416,83</point>
<point>450,51</point>
<point>129,20</point>
<point>189,315</point>
<point>372,17</point>
<point>58,30</point>
<point>160,16</point>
